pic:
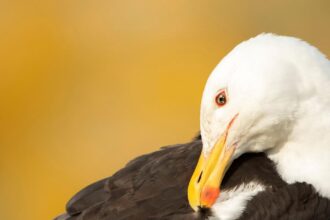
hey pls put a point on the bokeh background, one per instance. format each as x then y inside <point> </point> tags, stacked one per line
<point>87,85</point>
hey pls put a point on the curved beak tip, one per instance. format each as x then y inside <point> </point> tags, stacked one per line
<point>203,189</point>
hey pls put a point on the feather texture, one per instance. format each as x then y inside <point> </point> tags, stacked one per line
<point>154,186</point>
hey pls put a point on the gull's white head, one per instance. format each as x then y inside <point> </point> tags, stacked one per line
<point>264,80</point>
<point>261,96</point>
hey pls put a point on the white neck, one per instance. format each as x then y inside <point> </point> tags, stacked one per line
<point>305,156</point>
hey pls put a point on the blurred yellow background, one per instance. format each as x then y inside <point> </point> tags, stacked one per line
<point>86,86</point>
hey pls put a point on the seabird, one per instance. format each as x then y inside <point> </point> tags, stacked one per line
<point>269,94</point>
<point>264,127</point>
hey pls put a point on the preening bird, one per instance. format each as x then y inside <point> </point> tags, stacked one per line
<point>270,94</point>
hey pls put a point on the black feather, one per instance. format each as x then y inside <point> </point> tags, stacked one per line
<point>154,186</point>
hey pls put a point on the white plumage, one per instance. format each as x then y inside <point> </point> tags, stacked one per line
<point>231,204</point>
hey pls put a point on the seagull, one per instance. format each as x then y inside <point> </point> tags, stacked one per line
<point>263,152</point>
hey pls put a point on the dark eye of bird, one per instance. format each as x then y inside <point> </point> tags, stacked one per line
<point>221,99</point>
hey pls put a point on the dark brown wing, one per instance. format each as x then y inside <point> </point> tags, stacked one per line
<point>154,186</point>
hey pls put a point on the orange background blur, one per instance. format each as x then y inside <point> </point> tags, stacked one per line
<point>86,86</point>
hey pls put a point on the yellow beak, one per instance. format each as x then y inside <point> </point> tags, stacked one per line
<point>203,189</point>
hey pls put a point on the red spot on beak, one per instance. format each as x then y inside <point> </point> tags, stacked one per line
<point>209,196</point>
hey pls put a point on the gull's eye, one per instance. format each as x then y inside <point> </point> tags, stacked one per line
<point>221,99</point>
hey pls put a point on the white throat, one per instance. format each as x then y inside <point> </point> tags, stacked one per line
<point>305,156</point>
